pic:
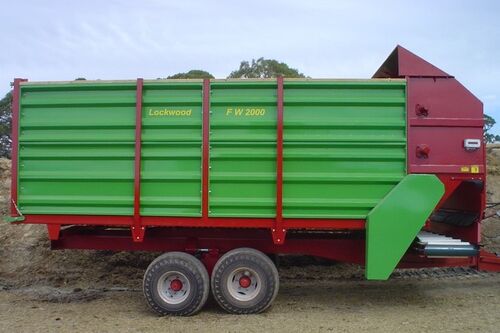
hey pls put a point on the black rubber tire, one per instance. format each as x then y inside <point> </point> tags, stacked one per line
<point>259,263</point>
<point>196,274</point>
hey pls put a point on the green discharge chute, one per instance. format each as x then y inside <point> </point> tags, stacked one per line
<point>394,223</point>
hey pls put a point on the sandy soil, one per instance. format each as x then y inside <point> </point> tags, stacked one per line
<point>449,305</point>
<point>99,291</point>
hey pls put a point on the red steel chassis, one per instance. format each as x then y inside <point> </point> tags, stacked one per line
<point>336,239</point>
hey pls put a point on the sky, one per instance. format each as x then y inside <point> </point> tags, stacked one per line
<point>63,40</point>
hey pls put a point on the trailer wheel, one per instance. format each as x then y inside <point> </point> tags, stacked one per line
<point>176,283</point>
<point>245,281</point>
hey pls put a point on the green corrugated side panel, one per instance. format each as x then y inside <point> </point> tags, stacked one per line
<point>395,222</point>
<point>77,148</point>
<point>344,146</point>
<point>171,149</point>
<point>243,149</point>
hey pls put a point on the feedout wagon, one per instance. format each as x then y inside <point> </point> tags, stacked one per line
<point>222,175</point>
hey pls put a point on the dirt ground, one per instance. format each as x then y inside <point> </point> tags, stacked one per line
<point>100,291</point>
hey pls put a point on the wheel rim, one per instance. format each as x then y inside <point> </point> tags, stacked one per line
<point>174,287</point>
<point>244,284</point>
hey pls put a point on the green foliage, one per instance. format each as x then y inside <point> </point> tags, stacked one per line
<point>264,68</point>
<point>192,74</point>
<point>5,125</point>
<point>489,122</point>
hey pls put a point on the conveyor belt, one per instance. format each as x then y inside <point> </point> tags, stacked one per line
<point>435,245</point>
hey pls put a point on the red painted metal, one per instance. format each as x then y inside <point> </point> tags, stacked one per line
<point>441,114</point>
<point>245,282</point>
<point>54,231</point>
<point>450,185</point>
<point>137,228</point>
<point>334,246</point>
<point>442,169</point>
<point>488,262</point>
<point>324,224</point>
<point>443,122</point>
<point>414,260</point>
<point>16,94</point>
<point>402,63</point>
<point>423,151</point>
<point>206,149</point>
<point>212,241</point>
<point>158,221</point>
<point>469,233</point>
<point>453,113</point>
<point>176,285</point>
<point>279,231</point>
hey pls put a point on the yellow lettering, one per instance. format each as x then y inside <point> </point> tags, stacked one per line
<point>169,112</point>
<point>246,112</point>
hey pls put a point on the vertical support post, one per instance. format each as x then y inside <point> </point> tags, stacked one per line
<point>205,149</point>
<point>137,228</point>
<point>278,231</point>
<point>54,231</point>
<point>16,100</point>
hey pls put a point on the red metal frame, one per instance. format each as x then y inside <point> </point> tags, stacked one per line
<point>228,222</point>
<point>137,228</point>
<point>488,262</point>
<point>279,231</point>
<point>16,94</point>
<point>210,243</point>
<point>206,148</point>
<point>338,246</point>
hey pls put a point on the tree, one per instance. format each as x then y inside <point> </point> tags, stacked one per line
<point>192,74</point>
<point>264,68</point>
<point>5,125</point>
<point>489,122</point>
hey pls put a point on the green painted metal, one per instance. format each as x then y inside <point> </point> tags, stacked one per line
<point>243,149</point>
<point>171,148</point>
<point>77,148</point>
<point>344,147</point>
<point>396,220</point>
<point>13,219</point>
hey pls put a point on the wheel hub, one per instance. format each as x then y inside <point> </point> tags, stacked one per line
<point>176,285</point>
<point>245,282</point>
